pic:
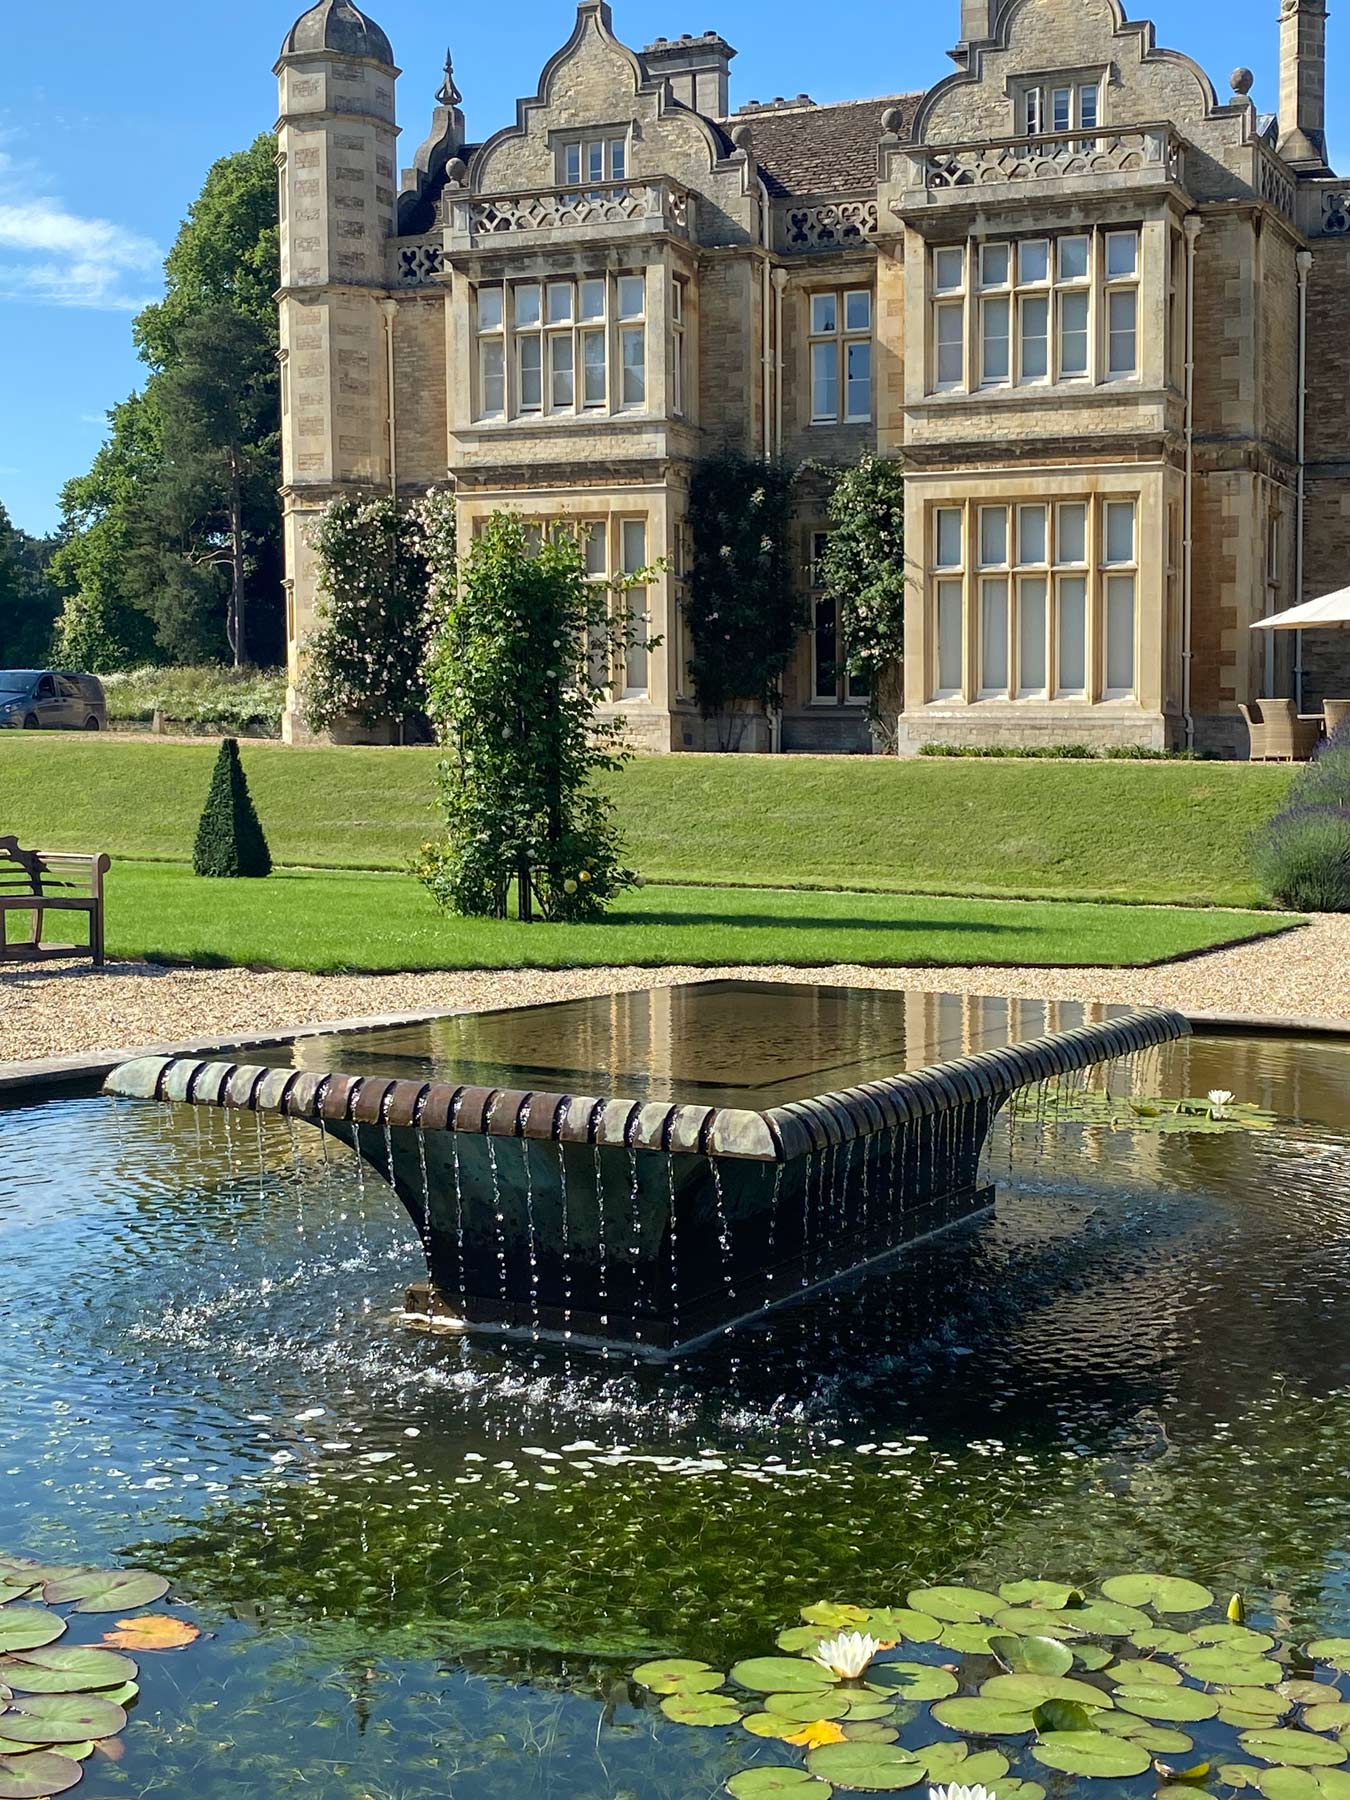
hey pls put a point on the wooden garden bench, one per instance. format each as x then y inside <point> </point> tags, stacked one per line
<point>36,882</point>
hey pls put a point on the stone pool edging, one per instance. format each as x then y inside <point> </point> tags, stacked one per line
<point>50,1075</point>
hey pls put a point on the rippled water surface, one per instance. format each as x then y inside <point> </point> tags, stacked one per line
<point>426,1566</point>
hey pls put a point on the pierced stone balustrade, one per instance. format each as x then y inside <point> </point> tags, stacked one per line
<point>831,225</point>
<point>1138,155</point>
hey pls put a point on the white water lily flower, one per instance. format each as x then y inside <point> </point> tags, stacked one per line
<point>846,1657</point>
<point>957,1792</point>
<point>1219,1099</point>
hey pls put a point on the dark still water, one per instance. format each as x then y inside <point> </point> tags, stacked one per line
<point>427,1566</point>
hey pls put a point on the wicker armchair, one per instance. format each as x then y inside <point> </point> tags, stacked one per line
<point>1277,732</point>
<point>1337,713</point>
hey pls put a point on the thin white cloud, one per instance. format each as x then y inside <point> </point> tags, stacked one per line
<point>55,257</point>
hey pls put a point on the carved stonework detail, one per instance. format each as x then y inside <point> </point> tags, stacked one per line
<point>420,262</point>
<point>1052,159</point>
<point>834,226</point>
<point>567,209</point>
<point>1336,214</point>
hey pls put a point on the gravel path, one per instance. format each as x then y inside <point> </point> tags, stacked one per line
<point>65,1009</point>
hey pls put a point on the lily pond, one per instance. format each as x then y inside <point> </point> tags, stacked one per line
<point>1032,1460</point>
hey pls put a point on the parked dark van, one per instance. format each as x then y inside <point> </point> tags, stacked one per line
<point>51,700</point>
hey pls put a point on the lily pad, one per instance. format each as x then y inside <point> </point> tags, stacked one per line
<point>831,1616</point>
<point>37,1775</point>
<point>152,1631</point>
<point>1032,1655</point>
<point>1234,1637</point>
<point>819,1703</point>
<point>1308,1693</point>
<point>1229,1668</point>
<point>770,1725</point>
<point>73,1669</point>
<point>769,1784</point>
<point>869,1731</point>
<point>1032,1621</point>
<point>1335,1651</point>
<point>1094,1753</point>
<point>1063,1715</point>
<point>1108,1618</point>
<point>873,1768</point>
<point>958,1605</point>
<point>779,1675</point>
<point>1289,1784</point>
<point>1332,1715</point>
<point>914,1681</point>
<point>1282,1744</point>
<point>701,1709</point>
<point>1164,1593</point>
<point>954,1762</point>
<point>1092,1656</point>
<point>1163,1638</point>
<point>1020,1790</point>
<point>1052,1595</point>
<point>1179,1706</point>
<point>106,1590</point>
<point>674,1675</point>
<point>967,1640</point>
<point>1161,1740</point>
<point>978,1717</point>
<point>28,1628</point>
<point>61,1718</point>
<point>1031,1690</point>
<point>1143,1671</point>
<point>902,1624</point>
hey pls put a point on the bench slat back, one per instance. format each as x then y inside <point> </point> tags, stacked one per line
<point>48,871</point>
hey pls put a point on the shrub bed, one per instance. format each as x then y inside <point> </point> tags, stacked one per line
<point>211,699</point>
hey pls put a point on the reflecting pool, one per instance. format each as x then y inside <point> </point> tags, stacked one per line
<point>427,1565</point>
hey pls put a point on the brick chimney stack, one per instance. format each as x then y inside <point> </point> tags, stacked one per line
<point>1303,84</point>
<point>697,68</point>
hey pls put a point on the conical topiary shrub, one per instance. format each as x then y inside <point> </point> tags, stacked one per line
<point>230,840</point>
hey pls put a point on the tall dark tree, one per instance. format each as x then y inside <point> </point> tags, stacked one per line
<point>161,529</point>
<point>28,602</point>
<point>214,504</point>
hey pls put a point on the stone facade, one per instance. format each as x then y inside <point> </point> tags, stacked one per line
<point>1069,285</point>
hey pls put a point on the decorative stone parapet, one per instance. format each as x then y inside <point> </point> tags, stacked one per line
<point>830,225</point>
<point>1137,155</point>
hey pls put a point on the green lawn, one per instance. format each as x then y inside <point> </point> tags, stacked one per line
<point>1170,832</point>
<point>332,922</point>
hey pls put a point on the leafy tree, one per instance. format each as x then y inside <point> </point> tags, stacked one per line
<point>744,615</point>
<point>169,546</point>
<point>28,602</point>
<point>102,625</point>
<point>214,504</point>
<point>365,660</point>
<point>524,657</point>
<point>863,569</point>
<point>230,840</point>
<point>227,253</point>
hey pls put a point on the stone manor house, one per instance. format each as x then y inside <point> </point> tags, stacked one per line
<point>1102,313</point>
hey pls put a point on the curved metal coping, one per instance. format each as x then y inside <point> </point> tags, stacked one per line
<point>779,1135</point>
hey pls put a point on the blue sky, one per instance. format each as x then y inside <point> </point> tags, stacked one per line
<point>111,111</point>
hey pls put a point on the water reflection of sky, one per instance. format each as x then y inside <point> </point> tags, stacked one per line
<point>429,1562</point>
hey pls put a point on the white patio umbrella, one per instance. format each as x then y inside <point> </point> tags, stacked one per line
<point>1326,614</point>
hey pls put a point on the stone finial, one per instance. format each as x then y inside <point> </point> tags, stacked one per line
<point>448,94</point>
<point>456,172</point>
<point>742,135</point>
<point>891,120</point>
<point>1243,82</point>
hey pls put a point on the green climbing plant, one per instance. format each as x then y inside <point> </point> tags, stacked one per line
<point>526,656</point>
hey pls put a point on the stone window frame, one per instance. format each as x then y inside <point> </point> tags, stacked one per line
<point>844,691</point>
<point>1017,589</point>
<point>536,337</point>
<point>1035,102</point>
<point>843,337</point>
<point>1024,278</point>
<point>593,158</point>
<point>678,369</point>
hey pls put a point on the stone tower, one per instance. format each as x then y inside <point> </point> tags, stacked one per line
<point>1303,84</point>
<point>336,148</point>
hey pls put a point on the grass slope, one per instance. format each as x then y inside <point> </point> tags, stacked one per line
<point>337,922</point>
<point>1170,832</point>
